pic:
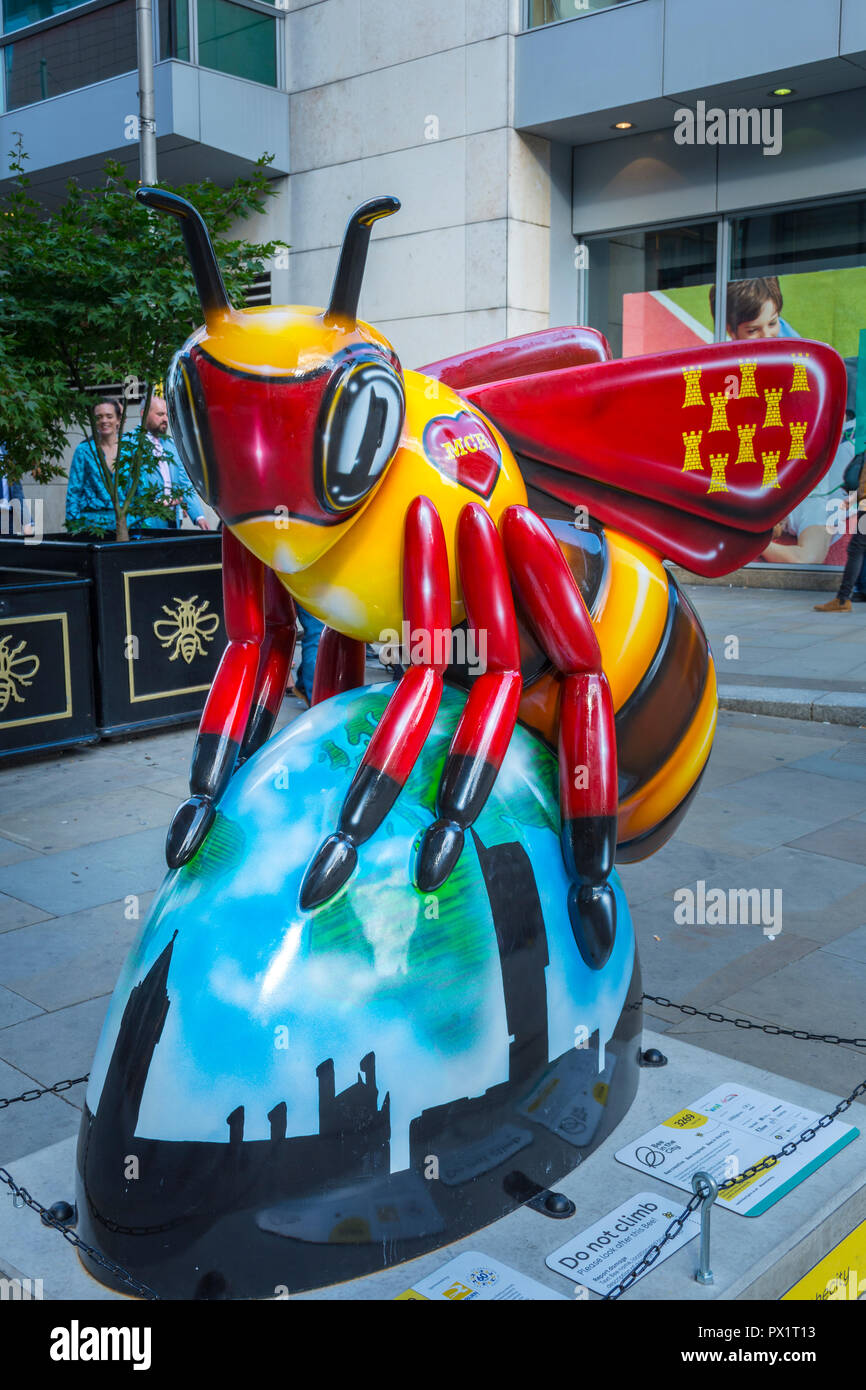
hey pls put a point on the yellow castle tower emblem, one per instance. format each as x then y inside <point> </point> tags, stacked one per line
<point>747,444</point>
<point>718,463</point>
<point>801,376</point>
<point>720,411</point>
<point>692,440</point>
<point>771,466</point>
<point>772,395</point>
<point>747,379</point>
<point>693,386</point>
<point>798,435</point>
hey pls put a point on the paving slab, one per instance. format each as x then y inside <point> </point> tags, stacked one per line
<point>769,956</point>
<point>98,873</point>
<point>676,959</point>
<point>752,1257</point>
<point>678,864</point>
<point>57,1045</point>
<point>852,945</point>
<point>844,839</point>
<point>31,1125</point>
<point>69,959</point>
<point>724,827</point>
<point>86,820</point>
<point>844,762</point>
<point>14,913</point>
<point>801,989</point>
<point>787,788</point>
<point>14,1008</point>
<point>12,853</point>
<point>825,1065</point>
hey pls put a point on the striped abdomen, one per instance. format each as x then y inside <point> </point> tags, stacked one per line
<point>661,674</point>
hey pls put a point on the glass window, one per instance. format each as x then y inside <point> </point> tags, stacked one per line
<point>87,49</point>
<point>821,237</point>
<point>649,290</point>
<point>19,13</point>
<point>174,29</point>
<point>238,41</point>
<point>548,11</point>
<point>801,273</point>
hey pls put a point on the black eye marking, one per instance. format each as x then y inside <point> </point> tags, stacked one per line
<point>360,429</point>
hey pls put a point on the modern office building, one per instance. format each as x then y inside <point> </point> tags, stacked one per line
<point>543,150</point>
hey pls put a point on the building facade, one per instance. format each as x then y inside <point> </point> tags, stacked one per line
<point>604,161</point>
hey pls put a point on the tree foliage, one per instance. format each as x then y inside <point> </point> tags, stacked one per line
<point>100,291</point>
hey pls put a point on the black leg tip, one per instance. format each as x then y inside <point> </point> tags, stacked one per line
<point>334,862</point>
<point>188,830</point>
<point>439,851</point>
<point>592,912</point>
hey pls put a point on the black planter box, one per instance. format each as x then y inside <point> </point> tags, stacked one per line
<point>46,671</point>
<point>156,611</point>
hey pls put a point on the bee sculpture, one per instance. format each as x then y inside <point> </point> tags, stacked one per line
<point>377,497</point>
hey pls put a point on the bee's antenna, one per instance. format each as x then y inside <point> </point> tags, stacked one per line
<point>353,256</point>
<point>199,247</point>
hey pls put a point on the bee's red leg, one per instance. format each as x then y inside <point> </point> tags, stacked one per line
<point>482,737</point>
<point>587,737</point>
<point>227,708</point>
<point>275,663</point>
<point>405,724</point>
<point>340,664</point>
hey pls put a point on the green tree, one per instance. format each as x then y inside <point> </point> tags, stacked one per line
<point>99,290</point>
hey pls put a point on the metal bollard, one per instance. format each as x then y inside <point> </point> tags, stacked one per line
<point>703,1183</point>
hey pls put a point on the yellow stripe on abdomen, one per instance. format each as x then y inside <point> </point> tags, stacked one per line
<point>654,801</point>
<point>632,615</point>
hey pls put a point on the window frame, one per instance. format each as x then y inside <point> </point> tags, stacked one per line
<point>724,243</point>
<point>274,11</point>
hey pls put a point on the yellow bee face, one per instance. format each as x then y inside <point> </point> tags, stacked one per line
<point>448,451</point>
<point>287,419</point>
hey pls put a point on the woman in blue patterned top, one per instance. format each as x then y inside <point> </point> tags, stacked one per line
<point>87,496</point>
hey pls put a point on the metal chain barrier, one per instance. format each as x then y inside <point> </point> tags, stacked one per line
<point>770,1028</point>
<point>801,1035</point>
<point>649,1259</point>
<point>54,1090</point>
<point>57,1089</point>
<point>135,1284</point>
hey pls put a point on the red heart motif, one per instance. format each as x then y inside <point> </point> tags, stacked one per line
<point>463,448</point>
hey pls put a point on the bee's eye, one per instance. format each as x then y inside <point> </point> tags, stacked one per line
<point>188,416</point>
<point>362,417</point>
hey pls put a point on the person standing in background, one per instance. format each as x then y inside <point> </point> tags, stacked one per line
<point>170,471</point>
<point>87,496</point>
<point>856,556</point>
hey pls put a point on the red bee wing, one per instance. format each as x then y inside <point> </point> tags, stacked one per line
<point>699,453</point>
<point>544,351</point>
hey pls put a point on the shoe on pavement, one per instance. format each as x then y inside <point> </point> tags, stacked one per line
<point>835,605</point>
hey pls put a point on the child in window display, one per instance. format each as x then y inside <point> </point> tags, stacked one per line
<point>754,310</point>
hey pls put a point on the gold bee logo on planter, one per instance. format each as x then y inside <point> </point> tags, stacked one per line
<point>15,671</point>
<point>188,630</point>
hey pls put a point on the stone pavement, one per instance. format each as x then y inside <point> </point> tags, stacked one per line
<point>790,660</point>
<point>782,806</point>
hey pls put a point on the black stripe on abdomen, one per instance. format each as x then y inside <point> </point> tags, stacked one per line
<point>657,715</point>
<point>587,555</point>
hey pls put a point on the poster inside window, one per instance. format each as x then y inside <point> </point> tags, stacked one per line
<point>828,305</point>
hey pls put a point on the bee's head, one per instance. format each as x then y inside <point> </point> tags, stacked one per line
<point>285,418</point>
